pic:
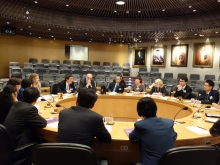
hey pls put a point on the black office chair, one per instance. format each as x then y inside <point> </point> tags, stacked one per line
<point>191,155</point>
<point>53,89</point>
<point>10,155</point>
<point>64,154</point>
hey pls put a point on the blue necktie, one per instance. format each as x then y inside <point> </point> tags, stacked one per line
<point>115,88</point>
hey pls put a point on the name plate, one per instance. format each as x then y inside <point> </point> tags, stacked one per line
<point>146,95</point>
<point>128,94</point>
<point>164,98</point>
<point>111,93</point>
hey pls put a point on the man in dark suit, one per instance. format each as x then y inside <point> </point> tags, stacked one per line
<point>87,83</point>
<point>139,58</point>
<point>79,124</point>
<point>117,86</point>
<point>209,95</point>
<point>23,117</point>
<point>155,134</point>
<point>183,89</point>
<point>67,85</point>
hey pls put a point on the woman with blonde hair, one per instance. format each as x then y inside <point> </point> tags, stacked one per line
<point>35,81</point>
<point>158,87</point>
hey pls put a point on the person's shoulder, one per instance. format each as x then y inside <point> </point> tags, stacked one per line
<point>166,120</point>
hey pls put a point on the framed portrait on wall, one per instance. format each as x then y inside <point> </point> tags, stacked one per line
<point>203,55</point>
<point>179,55</point>
<point>158,56</point>
<point>139,57</point>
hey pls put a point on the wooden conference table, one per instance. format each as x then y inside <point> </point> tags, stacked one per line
<point>121,151</point>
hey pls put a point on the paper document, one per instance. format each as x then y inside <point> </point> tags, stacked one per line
<point>212,120</point>
<point>109,128</point>
<point>37,106</point>
<point>211,108</point>
<point>198,130</point>
<point>128,130</point>
<point>53,125</point>
<point>52,120</point>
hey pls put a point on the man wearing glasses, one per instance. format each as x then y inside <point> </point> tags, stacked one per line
<point>209,95</point>
<point>183,89</point>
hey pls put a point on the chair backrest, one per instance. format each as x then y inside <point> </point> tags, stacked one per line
<point>56,61</point>
<point>126,65</point>
<point>76,77</point>
<point>106,63</point>
<point>48,77</point>
<point>194,77</point>
<point>63,154</point>
<point>96,67</point>
<point>66,71</point>
<point>199,84</point>
<point>63,66</point>
<point>169,89</point>
<point>39,65</point>
<point>28,65</point>
<point>216,85</point>
<point>179,75</point>
<point>115,64</point>
<point>53,89</point>
<point>171,81</point>
<point>14,65</point>
<point>87,63</point>
<point>53,65</point>
<point>33,60</point>
<point>96,63</point>
<point>6,146</point>
<point>68,62</point>
<point>101,83</point>
<point>154,69</point>
<point>168,75</point>
<point>142,70</point>
<point>106,68</point>
<point>27,70</point>
<point>191,155</point>
<point>45,83</point>
<point>199,90</point>
<point>60,77</point>
<point>209,77</point>
<point>45,61</point>
<point>194,94</point>
<point>76,62</point>
<point>100,78</point>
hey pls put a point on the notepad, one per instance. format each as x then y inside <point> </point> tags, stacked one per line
<point>37,106</point>
<point>128,130</point>
<point>52,120</point>
<point>53,125</point>
<point>109,128</point>
<point>197,130</point>
<point>211,120</point>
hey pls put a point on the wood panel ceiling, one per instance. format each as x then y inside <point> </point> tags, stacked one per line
<point>104,21</point>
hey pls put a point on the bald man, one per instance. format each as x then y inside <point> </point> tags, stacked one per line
<point>87,82</point>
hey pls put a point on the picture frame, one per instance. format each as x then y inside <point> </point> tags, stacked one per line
<point>139,57</point>
<point>203,55</point>
<point>179,55</point>
<point>158,56</point>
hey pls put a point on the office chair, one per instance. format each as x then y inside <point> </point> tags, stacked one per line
<point>64,154</point>
<point>53,89</point>
<point>195,155</point>
<point>9,154</point>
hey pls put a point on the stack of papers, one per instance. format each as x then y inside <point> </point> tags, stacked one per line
<point>197,130</point>
<point>212,120</point>
<point>128,130</point>
<point>52,122</point>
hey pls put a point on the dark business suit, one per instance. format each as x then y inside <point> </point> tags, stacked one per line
<point>83,84</point>
<point>185,93</point>
<point>160,90</point>
<point>5,106</point>
<point>212,97</point>
<point>80,125</point>
<point>62,87</point>
<point>119,88</point>
<point>155,135</point>
<point>20,122</point>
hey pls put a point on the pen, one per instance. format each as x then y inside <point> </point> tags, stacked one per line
<point>201,127</point>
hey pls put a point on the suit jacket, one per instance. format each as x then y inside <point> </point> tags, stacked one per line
<point>212,97</point>
<point>161,90</point>
<point>20,122</point>
<point>155,135</point>
<point>80,125</point>
<point>62,87</point>
<point>5,106</point>
<point>186,93</point>
<point>83,84</point>
<point>119,89</point>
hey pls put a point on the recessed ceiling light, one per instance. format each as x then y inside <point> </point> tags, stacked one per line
<point>90,41</point>
<point>115,11</point>
<point>68,32</point>
<point>216,32</point>
<point>218,0</point>
<point>194,10</point>
<point>139,41</point>
<point>8,22</point>
<point>30,33</point>
<point>85,33</point>
<point>114,41</point>
<point>21,28</point>
<point>70,38</point>
<point>122,41</point>
<point>195,34</point>
<point>54,38</point>
<point>190,6</point>
<point>91,9</point>
<point>120,2</point>
<point>139,35</point>
<point>127,12</point>
<point>139,11</point>
<point>51,36</point>
<point>49,29</point>
<point>35,1</point>
<point>29,26</point>
<point>67,5</point>
<point>164,10</point>
<point>39,37</point>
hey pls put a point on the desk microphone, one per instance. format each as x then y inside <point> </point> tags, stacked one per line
<point>184,108</point>
<point>186,95</point>
<point>194,104</point>
<point>208,106</point>
<point>43,99</point>
<point>196,117</point>
<point>59,90</point>
<point>58,105</point>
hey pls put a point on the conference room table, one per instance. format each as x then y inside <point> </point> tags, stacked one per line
<point>120,151</point>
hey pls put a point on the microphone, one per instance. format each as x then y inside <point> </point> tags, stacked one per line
<point>58,105</point>
<point>208,106</point>
<point>181,122</point>
<point>186,95</point>
<point>194,104</point>
<point>196,117</point>
<point>59,90</point>
<point>43,99</point>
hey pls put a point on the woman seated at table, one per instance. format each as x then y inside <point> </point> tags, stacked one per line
<point>214,104</point>
<point>35,81</point>
<point>7,98</point>
<point>158,88</point>
<point>138,87</point>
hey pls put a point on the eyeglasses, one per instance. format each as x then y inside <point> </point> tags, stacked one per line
<point>206,85</point>
<point>181,81</point>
